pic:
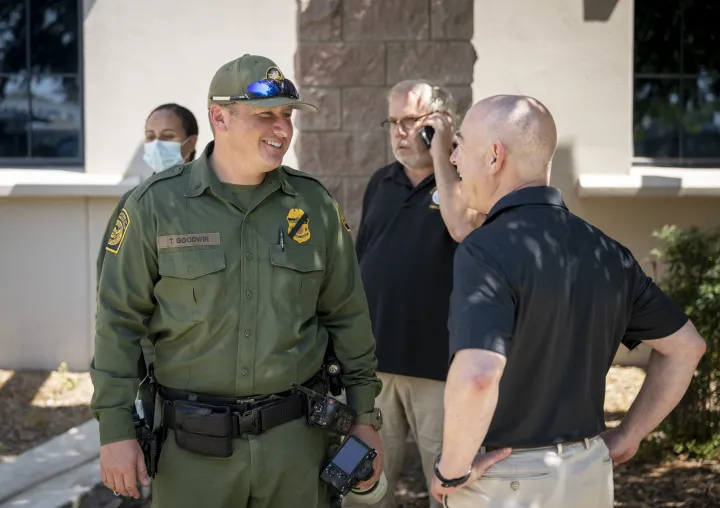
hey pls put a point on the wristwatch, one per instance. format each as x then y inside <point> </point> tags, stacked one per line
<point>452,482</point>
<point>373,418</point>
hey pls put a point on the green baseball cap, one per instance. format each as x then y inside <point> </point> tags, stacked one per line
<point>255,81</point>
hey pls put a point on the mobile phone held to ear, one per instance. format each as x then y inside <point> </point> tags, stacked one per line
<point>426,134</point>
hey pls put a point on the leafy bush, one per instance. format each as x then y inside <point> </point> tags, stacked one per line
<point>692,259</point>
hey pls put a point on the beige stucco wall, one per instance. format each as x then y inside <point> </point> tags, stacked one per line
<point>45,295</point>
<point>582,70</point>
<point>137,55</point>
<point>141,54</point>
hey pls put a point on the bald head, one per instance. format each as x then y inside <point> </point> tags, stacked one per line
<point>523,125</point>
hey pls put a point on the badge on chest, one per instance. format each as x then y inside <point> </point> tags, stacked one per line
<point>298,225</point>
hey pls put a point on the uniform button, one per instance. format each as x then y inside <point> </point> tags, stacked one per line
<point>248,295</point>
<point>248,255</point>
<point>247,333</point>
<point>244,372</point>
<point>515,485</point>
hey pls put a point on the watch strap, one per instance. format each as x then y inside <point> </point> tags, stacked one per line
<point>450,482</point>
<point>372,418</point>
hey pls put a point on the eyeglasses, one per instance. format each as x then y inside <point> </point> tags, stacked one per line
<point>407,123</point>
<point>263,89</point>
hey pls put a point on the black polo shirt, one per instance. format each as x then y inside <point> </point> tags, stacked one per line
<point>406,254</point>
<point>556,296</point>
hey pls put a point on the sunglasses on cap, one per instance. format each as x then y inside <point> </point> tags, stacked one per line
<point>263,89</point>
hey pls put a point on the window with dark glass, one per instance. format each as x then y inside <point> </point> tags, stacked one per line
<point>677,82</point>
<point>40,82</point>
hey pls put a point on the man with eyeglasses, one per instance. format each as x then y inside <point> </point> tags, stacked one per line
<point>411,223</point>
<point>241,271</point>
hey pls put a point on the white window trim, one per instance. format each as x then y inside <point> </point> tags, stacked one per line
<point>651,181</point>
<point>59,183</point>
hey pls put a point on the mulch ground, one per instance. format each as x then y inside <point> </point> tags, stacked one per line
<point>36,406</point>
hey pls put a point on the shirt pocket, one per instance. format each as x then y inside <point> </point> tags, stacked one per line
<point>190,282</point>
<point>297,275</point>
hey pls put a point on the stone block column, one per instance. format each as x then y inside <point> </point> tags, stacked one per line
<point>350,52</point>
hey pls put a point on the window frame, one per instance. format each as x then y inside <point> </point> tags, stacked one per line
<point>76,163</point>
<point>680,161</point>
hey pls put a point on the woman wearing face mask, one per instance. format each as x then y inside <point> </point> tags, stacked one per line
<point>171,133</point>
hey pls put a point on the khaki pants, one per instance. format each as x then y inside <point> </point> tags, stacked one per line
<point>409,403</point>
<point>570,476</point>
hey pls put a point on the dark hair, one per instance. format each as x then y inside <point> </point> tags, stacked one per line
<point>188,120</point>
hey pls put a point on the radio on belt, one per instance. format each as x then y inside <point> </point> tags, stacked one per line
<point>327,412</point>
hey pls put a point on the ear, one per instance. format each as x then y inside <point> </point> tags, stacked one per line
<point>218,117</point>
<point>497,157</point>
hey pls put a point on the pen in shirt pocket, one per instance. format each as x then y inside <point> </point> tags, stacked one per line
<point>282,240</point>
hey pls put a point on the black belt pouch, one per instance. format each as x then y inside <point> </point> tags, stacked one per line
<point>202,428</point>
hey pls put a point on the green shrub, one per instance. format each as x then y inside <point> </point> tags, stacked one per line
<point>692,259</point>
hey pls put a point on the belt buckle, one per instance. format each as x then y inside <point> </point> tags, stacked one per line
<point>249,422</point>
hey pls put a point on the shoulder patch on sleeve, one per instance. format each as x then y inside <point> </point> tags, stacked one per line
<point>342,217</point>
<point>118,233</point>
<point>162,175</point>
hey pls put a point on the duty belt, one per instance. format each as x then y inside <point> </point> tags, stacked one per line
<point>249,416</point>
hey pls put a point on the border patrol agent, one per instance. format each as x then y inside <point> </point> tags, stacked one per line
<point>241,271</point>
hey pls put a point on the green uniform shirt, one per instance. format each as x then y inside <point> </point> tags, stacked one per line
<point>233,310</point>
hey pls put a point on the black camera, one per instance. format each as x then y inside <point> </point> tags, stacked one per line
<point>327,412</point>
<point>351,465</point>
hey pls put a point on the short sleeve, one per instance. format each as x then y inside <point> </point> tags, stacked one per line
<point>482,304</point>
<point>653,315</point>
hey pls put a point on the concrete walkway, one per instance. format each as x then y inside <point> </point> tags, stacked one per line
<point>56,472</point>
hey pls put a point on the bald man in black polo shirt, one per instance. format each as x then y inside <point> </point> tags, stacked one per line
<point>541,302</point>
<point>411,222</point>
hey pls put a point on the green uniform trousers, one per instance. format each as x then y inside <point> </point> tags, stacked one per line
<point>279,468</point>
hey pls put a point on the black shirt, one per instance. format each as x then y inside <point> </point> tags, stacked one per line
<point>555,296</point>
<point>406,254</point>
